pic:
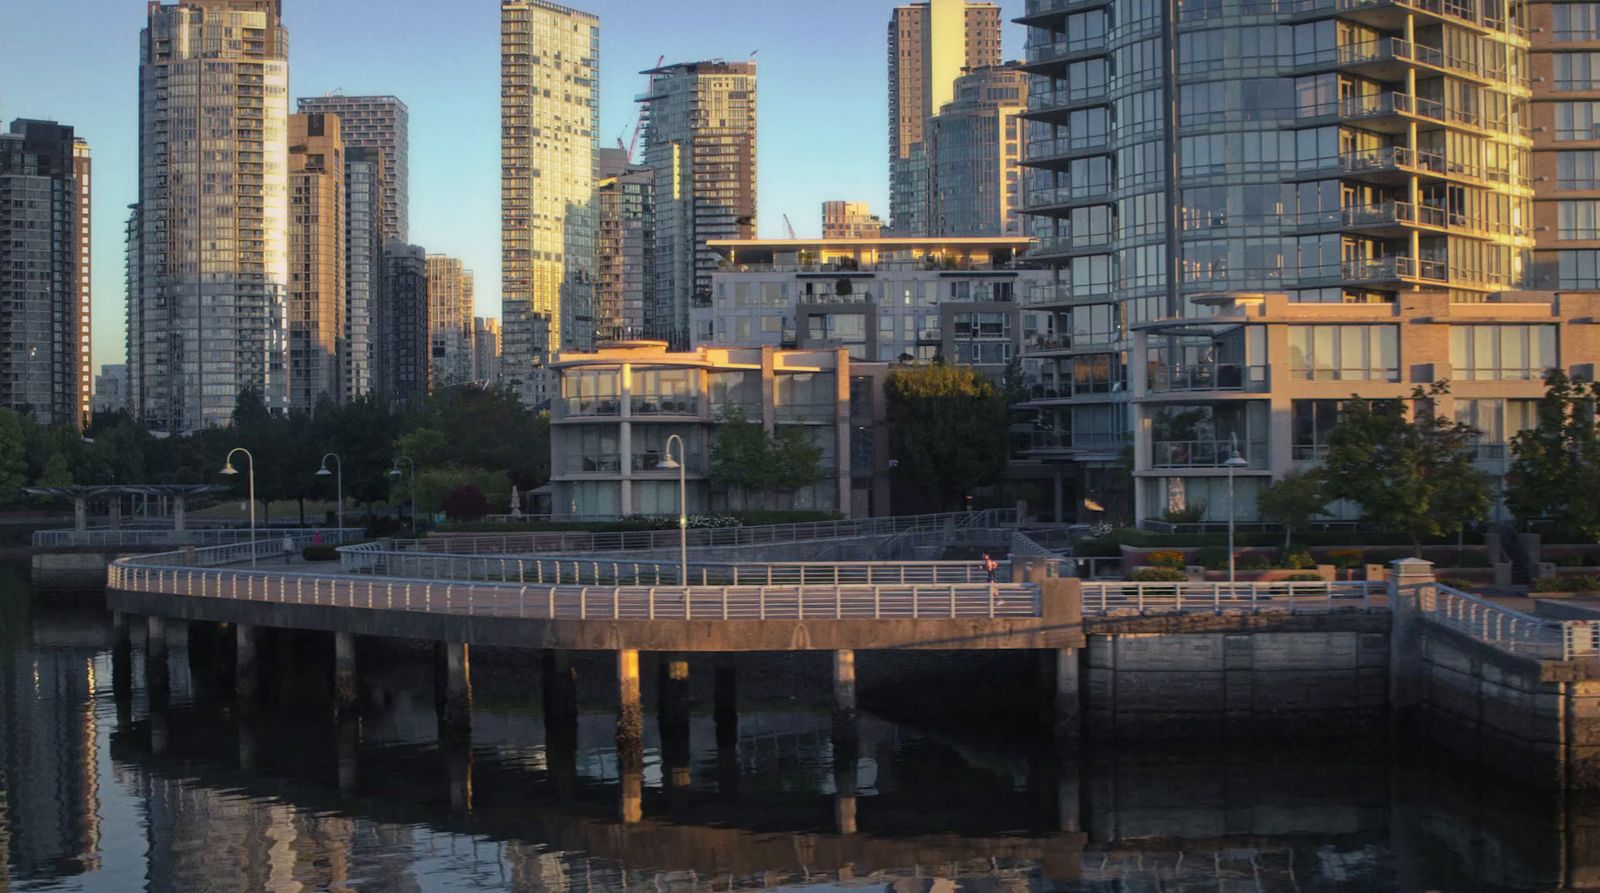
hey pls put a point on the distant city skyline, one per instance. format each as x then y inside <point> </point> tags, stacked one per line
<point>86,54</point>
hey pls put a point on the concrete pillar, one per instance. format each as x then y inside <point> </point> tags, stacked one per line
<point>80,513</point>
<point>121,664</point>
<point>1067,708</point>
<point>455,694</point>
<point>846,758</point>
<point>115,507</point>
<point>674,689</point>
<point>344,674</point>
<point>1059,491</point>
<point>560,695</point>
<point>246,668</point>
<point>630,736</point>
<point>1409,579</point>
<point>844,682</point>
<point>179,505</point>
<point>157,675</point>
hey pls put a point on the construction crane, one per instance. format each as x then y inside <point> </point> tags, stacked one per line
<point>632,145</point>
<point>789,228</point>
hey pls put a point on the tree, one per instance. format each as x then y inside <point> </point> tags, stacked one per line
<point>13,456</point>
<point>948,430</point>
<point>1293,501</point>
<point>466,503</point>
<point>745,460</point>
<point>55,474</point>
<point>1556,463</point>
<point>1414,475</point>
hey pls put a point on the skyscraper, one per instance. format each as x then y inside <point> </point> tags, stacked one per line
<point>1566,143</point>
<point>550,119</point>
<point>44,273</point>
<point>317,257</point>
<point>213,216</point>
<point>700,144</point>
<point>1371,155</point>
<point>974,152</point>
<point>404,347</point>
<point>930,45</point>
<point>450,320</point>
<point>850,220</point>
<point>382,123</point>
<point>486,350</point>
<point>363,233</point>
<point>624,246</point>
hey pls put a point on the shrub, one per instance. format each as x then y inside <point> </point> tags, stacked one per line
<point>321,552</point>
<point>1566,583</point>
<point>1569,559</point>
<point>1254,561</point>
<point>466,503</point>
<point>1158,575</point>
<point>1347,559</point>
<point>1303,578</point>
<point>1194,513</point>
<point>1213,558</point>
<point>1299,560</point>
<point>1167,558</point>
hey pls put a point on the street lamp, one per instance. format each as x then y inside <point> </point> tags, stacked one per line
<point>227,468</point>
<point>680,465</point>
<point>395,473</point>
<point>324,472</point>
<point>1235,461</point>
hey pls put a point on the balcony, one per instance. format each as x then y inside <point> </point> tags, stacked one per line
<point>1056,441</point>
<point>1206,453</point>
<point>1389,15</point>
<point>653,462</point>
<point>599,463</point>
<point>1038,12</point>
<point>1393,165</point>
<point>1228,377</point>
<point>1394,113</point>
<point>593,407</point>
<point>1395,269</point>
<point>669,405</point>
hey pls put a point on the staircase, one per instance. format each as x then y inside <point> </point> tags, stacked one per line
<point>1522,569</point>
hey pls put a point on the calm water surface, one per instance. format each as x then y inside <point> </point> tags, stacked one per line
<point>99,793</point>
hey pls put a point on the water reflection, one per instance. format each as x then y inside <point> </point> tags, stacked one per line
<point>101,789</point>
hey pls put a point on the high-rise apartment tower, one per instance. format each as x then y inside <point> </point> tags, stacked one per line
<point>624,252</point>
<point>317,281</point>
<point>450,320</point>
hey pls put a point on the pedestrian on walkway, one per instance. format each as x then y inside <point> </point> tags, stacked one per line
<point>288,548</point>
<point>990,565</point>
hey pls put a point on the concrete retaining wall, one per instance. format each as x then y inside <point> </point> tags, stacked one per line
<point>72,570</point>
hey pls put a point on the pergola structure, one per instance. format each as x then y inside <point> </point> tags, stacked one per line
<point>177,494</point>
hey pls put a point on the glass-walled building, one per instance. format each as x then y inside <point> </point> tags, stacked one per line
<point>620,406</point>
<point>1332,152</point>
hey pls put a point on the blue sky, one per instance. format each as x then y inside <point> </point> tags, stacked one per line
<point>823,131</point>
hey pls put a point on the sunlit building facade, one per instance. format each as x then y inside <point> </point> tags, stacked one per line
<point>317,280</point>
<point>974,150</point>
<point>450,305</point>
<point>363,233</point>
<point>850,220</point>
<point>381,123</point>
<point>625,245</point>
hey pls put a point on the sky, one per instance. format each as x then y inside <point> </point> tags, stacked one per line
<point>822,102</point>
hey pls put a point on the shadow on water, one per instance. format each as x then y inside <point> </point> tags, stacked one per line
<point>101,790</point>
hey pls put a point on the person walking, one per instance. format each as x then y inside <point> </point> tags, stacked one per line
<point>990,565</point>
<point>288,548</point>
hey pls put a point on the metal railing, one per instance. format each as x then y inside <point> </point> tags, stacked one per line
<point>581,542</point>
<point>1508,630</point>
<point>1209,377</point>
<point>167,539</point>
<point>741,603</point>
<point>570,571</point>
<point>1218,598</point>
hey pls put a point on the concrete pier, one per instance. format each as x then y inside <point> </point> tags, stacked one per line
<point>344,674</point>
<point>844,683</point>
<point>246,665</point>
<point>157,674</point>
<point>455,694</point>
<point>122,667</point>
<point>630,709</point>
<point>1066,696</point>
<point>560,688</point>
<point>846,759</point>
<point>674,689</point>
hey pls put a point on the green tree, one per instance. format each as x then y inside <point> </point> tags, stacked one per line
<point>13,456</point>
<point>746,461</point>
<point>1556,464</point>
<point>55,474</point>
<point>948,430</point>
<point>1293,501</point>
<point>1415,475</point>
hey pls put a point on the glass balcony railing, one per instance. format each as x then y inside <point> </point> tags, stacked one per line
<point>595,463</point>
<point>666,405</point>
<point>593,406</point>
<point>652,461</point>
<point>1206,453</point>
<point>1209,377</point>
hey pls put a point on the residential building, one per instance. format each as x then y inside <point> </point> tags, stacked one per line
<point>317,280</point>
<point>974,155</point>
<point>622,404</point>
<point>45,273</point>
<point>850,220</point>
<point>213,238</point>
<point>1368,155</point>
<point>381,123</point>
<point>882,300</point>
<point>450,320</point>
<point>1565,69</point>
<point>700,142</point>
<point>1266,376</point>
<point>930,45</point>
<point>111,388</point>
<point>624,245</point>
<point>363,266</point>
<point>486,350</point>
<point>549,108</point>
<point>404,346</point>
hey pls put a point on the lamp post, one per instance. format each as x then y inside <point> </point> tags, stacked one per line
<point>395,473</point>
<point>1235,461</point>
<point>227,468</point>
<point>681,465</point>
<point>324,472</point>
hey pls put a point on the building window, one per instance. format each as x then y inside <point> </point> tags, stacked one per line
<point>1575,21</point>
<point>1311,422</point>
<point>1498,422</point>
<point>1578,269</point>
<point>1577,71</point>
<point>1502,353</point>
<point>1577,219</point>
<point>1578,169</point>
<point>1345,353</point>
<point>1576,120</point>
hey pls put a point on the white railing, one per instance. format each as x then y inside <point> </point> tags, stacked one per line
<point>1506,629</point>
<point>591,571</point>
<point>166,539</point>
<point>1217,598</point>
<point>743,603</point>
<point>579,542</point>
